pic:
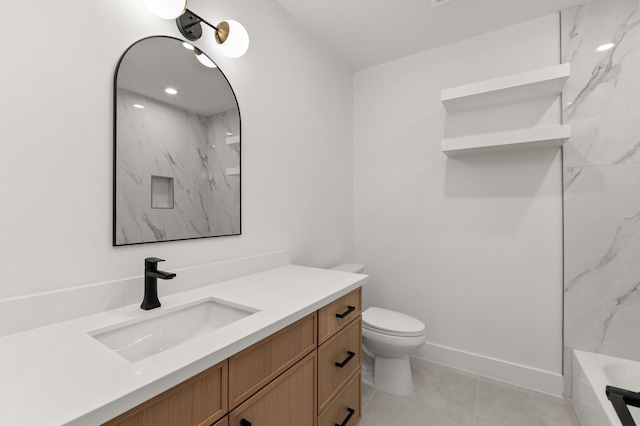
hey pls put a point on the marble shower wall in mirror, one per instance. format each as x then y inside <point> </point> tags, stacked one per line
<point>177,157</point>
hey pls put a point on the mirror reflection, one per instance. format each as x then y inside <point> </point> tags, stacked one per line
<point>177,146</point>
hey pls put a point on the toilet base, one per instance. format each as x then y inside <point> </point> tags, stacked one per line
<point>393,375</point>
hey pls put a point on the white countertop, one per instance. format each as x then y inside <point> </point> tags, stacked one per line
<point>60,375</point>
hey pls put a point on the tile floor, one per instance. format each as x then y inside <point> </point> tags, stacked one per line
<point>448,397</point>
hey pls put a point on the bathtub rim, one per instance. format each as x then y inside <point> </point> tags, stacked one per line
<point>591,366</point>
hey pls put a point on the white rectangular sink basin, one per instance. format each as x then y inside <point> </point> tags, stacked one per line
<point>143,337</point>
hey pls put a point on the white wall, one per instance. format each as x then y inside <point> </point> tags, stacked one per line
<point>472,246</point>
<point>58,61</point>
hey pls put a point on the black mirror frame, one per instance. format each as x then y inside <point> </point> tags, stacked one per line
<point>115,153</point>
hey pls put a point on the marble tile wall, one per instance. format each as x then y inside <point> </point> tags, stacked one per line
<point>162,140</point>
<point>601,101</point>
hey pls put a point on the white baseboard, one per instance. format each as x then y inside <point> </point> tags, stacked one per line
<point>504,371</point>
<point>37,310</point>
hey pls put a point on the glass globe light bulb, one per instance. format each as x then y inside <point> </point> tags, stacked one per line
<point>166,9</point>
<point>236,43</point>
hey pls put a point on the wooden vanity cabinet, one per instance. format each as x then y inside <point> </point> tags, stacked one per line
<point>222,422</point>
<point>344,409</point>
<point>307,374</point>
<point>200,400</point>
<point>251,369</point>
<point>337,314</point>
<point>290,399</point>
<point>340,361</point>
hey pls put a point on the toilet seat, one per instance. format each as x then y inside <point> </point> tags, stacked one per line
<point>391,323</point>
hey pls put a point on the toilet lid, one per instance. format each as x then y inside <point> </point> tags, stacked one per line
<point>390,322</point>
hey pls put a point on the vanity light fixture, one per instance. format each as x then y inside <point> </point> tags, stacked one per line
<point>230,35</point>
<point>605,47</point>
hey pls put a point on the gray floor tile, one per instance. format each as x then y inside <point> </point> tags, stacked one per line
<point>500,405</point>
<point>386,410</point>
<point>447,397</point>
<point>557,411</point>
<point>442,397</point>
<point>367,395</point>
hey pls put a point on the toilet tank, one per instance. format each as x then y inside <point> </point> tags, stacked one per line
<point>349,267</point>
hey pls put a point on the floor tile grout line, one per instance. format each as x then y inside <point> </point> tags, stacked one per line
<point>373,394</point>
<point>475,406</point>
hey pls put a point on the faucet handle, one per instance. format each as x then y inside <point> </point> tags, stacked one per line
<point>151,262</point>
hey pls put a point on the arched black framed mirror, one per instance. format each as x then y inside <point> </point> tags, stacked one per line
<point>176,146</point>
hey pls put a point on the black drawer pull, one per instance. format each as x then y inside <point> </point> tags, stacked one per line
<point>345,421</point>
<point>343,363</point>
<point>347,312</point>
<point>245,422</point>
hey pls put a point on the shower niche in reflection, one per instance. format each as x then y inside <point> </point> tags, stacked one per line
<point>161,192</point>
<point>176,135</point>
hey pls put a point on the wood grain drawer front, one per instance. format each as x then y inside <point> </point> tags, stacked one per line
<point>338,358</point>
<point>290,400</point>
<point>345,409</point>
<point>338,314</point>
<point>257,365</point>
<point>200,400</point>
<point>223,422</point>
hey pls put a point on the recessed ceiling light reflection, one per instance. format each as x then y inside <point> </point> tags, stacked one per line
<point>188,46</point>
<point>605,47</point>
<point>138,106</point>
<point>171,91</point>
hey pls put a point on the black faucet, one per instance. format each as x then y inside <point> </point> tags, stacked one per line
<point>151,275</point>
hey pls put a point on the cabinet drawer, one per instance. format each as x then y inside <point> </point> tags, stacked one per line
<point>345,409</point>
<point>338,358</point>
<point>290,400</point>
<point>337,314</point>
<point>255,366</point>
<point>200,400</point>
<point>223,422</point>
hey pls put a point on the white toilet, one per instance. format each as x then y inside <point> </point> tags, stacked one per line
<point>388,337</point>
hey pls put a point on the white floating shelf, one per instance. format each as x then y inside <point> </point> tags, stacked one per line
<point>512,88</point>
<point>536,137</point>
<point>232,140</point>
<point>233,171</point>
